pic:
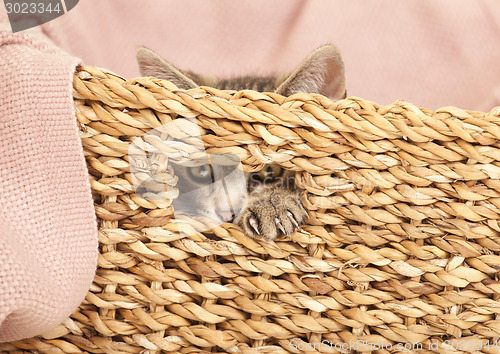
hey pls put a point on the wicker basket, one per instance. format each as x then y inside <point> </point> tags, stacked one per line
<point>401,249</point>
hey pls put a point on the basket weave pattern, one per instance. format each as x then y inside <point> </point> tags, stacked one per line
<point>402,243</point>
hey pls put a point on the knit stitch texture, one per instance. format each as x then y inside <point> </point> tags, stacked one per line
<point>48,232</point>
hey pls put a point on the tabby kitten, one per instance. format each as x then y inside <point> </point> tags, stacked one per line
<point>267,203</point>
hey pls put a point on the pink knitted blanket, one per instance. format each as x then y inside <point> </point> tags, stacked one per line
<point>48,233</point>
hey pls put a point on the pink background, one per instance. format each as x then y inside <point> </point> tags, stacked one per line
<point>431,53</point>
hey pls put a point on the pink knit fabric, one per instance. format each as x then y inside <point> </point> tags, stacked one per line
<point>432,53</point>
<point>48,233</point>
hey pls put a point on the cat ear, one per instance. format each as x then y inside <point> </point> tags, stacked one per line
<point>321,72</point>
<point>151,64</point>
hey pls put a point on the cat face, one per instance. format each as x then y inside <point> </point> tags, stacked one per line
<point>212,190</point>
<point>266,203</point>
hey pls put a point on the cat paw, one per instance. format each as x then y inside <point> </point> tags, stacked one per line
<point>272,213</point>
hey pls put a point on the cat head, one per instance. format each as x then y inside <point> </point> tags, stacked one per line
<point>321,72</point>
<point>201,192</point>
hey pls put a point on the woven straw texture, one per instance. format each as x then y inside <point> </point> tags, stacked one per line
<point>402,244</point>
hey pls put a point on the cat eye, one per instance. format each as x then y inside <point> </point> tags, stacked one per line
<point>201,173</point>
<point>270,172</point>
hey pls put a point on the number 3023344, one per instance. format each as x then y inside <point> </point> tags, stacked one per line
<point>32,7</point>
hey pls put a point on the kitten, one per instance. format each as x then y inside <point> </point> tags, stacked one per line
<point>267,203</point>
